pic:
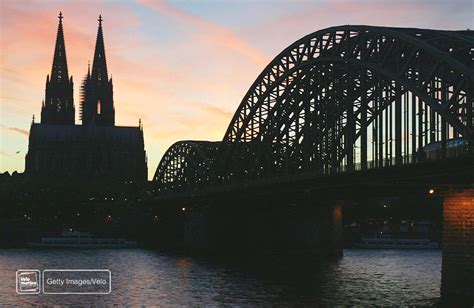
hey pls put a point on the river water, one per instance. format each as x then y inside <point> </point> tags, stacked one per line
<point>145,277</point>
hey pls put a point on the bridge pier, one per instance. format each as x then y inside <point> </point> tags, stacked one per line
<point>283,229</point>
<point>457,282</point>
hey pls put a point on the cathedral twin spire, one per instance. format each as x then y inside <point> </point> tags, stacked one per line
<point>97,91</point>
<point>97,106</point>
<point>59,70</point>
<point>58,106</point>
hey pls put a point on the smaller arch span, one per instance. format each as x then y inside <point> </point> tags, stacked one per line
<point>186,165</point>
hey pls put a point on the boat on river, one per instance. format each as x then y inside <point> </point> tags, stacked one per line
<point>70,238</point>
<point>390,242</point>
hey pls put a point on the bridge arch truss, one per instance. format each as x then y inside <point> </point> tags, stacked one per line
<point>355,97</point>
<point>342,99</point>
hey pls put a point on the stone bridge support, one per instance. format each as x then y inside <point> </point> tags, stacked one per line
<point>457,286</point>
<point>286,228</point>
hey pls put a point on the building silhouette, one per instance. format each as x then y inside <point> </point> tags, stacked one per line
<point>96,149</point>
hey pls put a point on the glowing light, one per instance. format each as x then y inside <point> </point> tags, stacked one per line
<point>183,209</point>
<point>431,191</point>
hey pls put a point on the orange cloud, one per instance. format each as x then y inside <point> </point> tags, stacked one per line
<point>4,153</point>
<point>15,130</point>
<point>216,111</point>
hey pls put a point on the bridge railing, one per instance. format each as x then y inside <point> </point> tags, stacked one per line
<point>405,160</point>
<point>358,167</point>
<point>386,162</point>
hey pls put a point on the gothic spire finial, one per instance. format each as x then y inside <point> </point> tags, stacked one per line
<point>59,71</point>
<point>99,65</point>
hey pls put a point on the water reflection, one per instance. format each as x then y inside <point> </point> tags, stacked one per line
<point>142,277</point>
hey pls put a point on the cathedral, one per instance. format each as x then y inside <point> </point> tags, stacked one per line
<point>95,149</point>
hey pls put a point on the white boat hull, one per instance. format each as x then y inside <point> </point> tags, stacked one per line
<point>86,246</point>
<point>74,239</point>
<point>376,243</point>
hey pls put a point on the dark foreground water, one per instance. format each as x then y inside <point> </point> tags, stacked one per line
<point>143,277</point>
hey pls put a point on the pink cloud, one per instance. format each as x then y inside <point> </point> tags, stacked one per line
<point>211,33</point>
<point>328,13</point>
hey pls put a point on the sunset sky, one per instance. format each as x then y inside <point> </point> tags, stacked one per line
<point>181,66</point>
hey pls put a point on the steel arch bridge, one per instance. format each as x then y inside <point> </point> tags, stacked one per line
<point>187,165</point>
<point>338,100</point>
